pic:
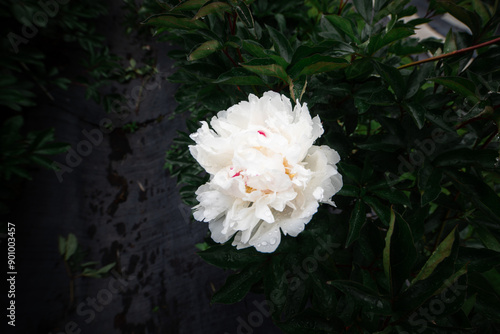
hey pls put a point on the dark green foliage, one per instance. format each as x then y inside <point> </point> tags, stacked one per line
<point>43,42</point>
<point>416,245</point>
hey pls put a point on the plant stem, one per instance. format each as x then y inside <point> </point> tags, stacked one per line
<point>454,53</point>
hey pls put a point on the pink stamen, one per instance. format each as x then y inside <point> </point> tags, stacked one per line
<point>237,174</point>
<point>262,133</point>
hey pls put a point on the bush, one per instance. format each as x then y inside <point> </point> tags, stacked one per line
<point>415,243</point>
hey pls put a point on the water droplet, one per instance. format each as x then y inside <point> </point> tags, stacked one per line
<point>273,241</point>
<point>379,304</point>
<point>264,243</point>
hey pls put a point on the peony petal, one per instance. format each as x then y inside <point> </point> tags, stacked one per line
<point>266,176</point>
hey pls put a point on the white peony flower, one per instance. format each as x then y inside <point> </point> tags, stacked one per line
<point>265,173</point>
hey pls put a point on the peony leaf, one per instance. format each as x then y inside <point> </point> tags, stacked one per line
<point>439,255</point>
<point>387,249</point>
<point>393,195</point>
<point>477,259</point>
<point>343,25</point>
<point>470,19</point>
<point>205,50</point>
<point>417,112</point>
<point>429,183</point>
<point>71,246</point>
<point>281,44</point>
<point>245,15</point>
<point>393,77</point>
<point>189,5</point>
<point>399,253</point>
<point>168,21</point>
<point>62,245</point>
<point>487,238</point>
<point>358,218</point>
<point>365,9</point>
<point>382,39</point>
<point>484,198</point>
<point>460,85</point>
<point>364,296</point>
<point>228,257</point>
<point>467,157</point>
<point>239,76</point>
<point>317,64</point>
<point>383,212</point>
<point>267,67</point>
<point>238,285</point>
<point>213,8</point>
<point>349,191</point>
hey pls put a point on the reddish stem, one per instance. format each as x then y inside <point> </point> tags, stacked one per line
<point>454,53</point>
<point>229,57</point>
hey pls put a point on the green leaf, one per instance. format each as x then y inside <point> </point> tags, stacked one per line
<point>352,172</point>
<point>310,322</point>
<point>52,149</point>
<point>189,5</point>
<point>487,238</point>
<point>429,183</point>
<point>359,69</point>
<point>363,296</point>
<point>450,44</point>
<point>238,285</point>
<point>239,76</point>
<point>317,64</point>
<point>42,161</point>
<point>387,249</point>
<point>205,50</point>
<point>245,15</point>
<point>438,256</point>
<point>402,254</point>
<point>106,268</point>
<point>477,259</point>
<point>349,191</point>
<point>275,282</point>
<point>382,211</point>
<point>470,19</point>
<point>380,40</point>
<point>281,44</point>
<point>343,25</point>
<point>393,77</point>
<point>417,112</point>
<point>62,245</point>
<point>228,257</point>
<point>167,21</point>
<point>460,85</point>
<point>365,9</point>
<point>266,67</point>
<point>254,48</point>
<point>467,157</point>
<point>358,218</point>
<point>394,196</point>
<point>71,246</point>
<point>213,8</point>
<point>480,193</point>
